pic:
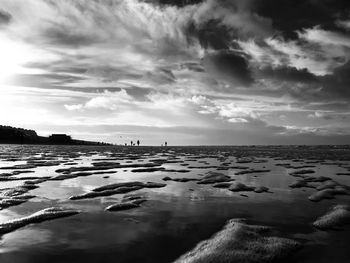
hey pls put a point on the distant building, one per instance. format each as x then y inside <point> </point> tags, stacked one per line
<point>60,138</point>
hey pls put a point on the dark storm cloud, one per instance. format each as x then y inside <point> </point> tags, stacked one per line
<point>328,88</point>
<point>217,22</point>
<point>332,87</point>
<point>5,17</point>
<point>139,94</point>
<point>287,16</point>
<point>211,34</point>
<point>231,66</point>
<point>291,15</point>
<point>338,83</point>
<point>291,74</point>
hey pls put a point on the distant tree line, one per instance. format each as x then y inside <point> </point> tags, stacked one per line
<point>12,135</point>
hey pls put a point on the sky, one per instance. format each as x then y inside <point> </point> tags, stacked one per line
<point>189,72</point>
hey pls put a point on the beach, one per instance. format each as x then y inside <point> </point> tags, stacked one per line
<point>155,204</point>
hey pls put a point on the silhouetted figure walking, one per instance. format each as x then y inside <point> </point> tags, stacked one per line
<point>131,143</point>
<point>166,144</point>
<point>138,143</point>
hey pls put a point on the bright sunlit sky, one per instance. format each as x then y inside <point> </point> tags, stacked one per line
<point>186,72</point>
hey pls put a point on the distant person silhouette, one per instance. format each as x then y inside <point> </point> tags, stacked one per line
<point>138,143</point>
<point>166,144</point>
<point>131,143</point>
<point>126,144</point>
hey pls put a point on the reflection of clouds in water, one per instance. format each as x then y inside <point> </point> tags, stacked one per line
<point>197,196</point>
<point>9,164</point>
<point>169,210</point>
<point>76,183</point>
<point>57,190</point>
<point>24,238</point>
<point>6,215</point>
<point>276,178</point>
<point>113,229</point>
<point>314,238</point>
<point>10,184</point>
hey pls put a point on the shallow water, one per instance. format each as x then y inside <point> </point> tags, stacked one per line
<point>176,217</point>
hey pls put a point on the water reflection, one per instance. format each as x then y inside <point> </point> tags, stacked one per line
<point>173,219</point>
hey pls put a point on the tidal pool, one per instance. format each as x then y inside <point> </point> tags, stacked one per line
<point>172,219</point>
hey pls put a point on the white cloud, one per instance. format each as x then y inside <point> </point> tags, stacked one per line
<point>344,24</point>
<point>234,15</point>
<point>237,120</point>
<point>318,51</point>
<point>106,100</point>
<point>74,107</point>
<point>302,56</point>
<point>320,36</point>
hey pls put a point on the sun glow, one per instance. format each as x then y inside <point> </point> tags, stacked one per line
<point>13,57</point>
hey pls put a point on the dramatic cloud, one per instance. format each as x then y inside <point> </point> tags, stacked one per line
<point>5,17</point>
<point>344,24</point>
<point>323,37</point>
<point>192,71</point>
<point>289,16</point>
<point>236,16</point>
<point>229,66</point>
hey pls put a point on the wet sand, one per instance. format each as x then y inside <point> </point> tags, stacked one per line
<point>157,204</point>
